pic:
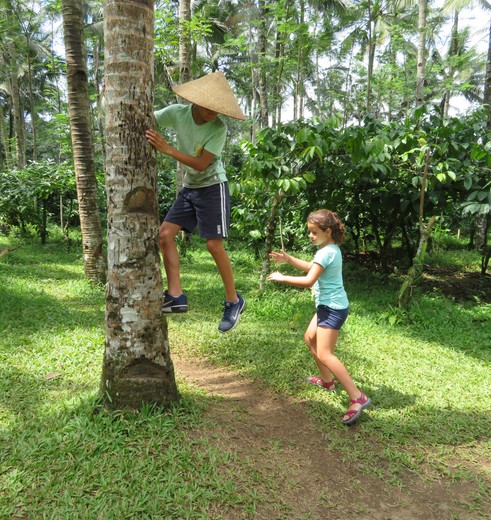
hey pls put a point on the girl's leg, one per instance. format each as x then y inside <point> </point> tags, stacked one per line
<point>222,260</point>
<point>326,342</point>
<point>310,338</point>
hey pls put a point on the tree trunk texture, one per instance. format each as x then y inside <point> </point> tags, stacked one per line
<point>137,367</point>
<point>415,272</point>
<point>82,143</point>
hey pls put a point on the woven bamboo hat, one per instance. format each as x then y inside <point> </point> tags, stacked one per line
<point>213,92</point>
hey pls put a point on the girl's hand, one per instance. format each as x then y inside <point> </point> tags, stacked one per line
<point>157,141</point>
<point>276,277</point>
<point>279,258</point>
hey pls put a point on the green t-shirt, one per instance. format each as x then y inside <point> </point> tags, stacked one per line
<point>329,288</point>
<point>192,139</point>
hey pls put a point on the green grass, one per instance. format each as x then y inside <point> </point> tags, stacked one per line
<point>429,379</point>
<point>429,376</point>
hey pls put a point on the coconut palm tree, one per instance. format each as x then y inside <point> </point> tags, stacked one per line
<point>459,5</point>
<point>82,143</point>
<point>137,367</point>
<point>9,45</point>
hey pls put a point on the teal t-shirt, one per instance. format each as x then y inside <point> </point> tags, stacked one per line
<point>192,139</point>
<point>329,287</point>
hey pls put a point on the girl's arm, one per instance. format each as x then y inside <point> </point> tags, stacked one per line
<point>282,257</point>
<point>299,281</point>
<point>199,163</point>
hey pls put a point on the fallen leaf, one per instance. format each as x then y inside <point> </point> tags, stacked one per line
<point>51,375</point>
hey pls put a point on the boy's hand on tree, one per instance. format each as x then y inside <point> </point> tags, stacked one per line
<point>157,141</point>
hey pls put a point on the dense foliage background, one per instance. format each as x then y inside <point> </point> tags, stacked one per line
<point>339,114</point>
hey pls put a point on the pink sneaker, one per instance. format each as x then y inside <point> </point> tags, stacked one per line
<point>318,381</point>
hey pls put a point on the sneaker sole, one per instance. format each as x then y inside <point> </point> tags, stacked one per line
<point>174,310</point>
<point>236,321</point>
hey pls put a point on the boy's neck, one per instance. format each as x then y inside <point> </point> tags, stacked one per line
<point>197,116</point>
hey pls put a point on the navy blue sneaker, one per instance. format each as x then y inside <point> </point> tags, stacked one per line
<point>231,314</point>
<point>175,304</point>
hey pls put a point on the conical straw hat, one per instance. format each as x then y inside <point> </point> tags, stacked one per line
<point>212,92</point>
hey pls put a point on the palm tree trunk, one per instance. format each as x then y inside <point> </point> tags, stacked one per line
<point>137,367</point>
<point>487,84</point>
<point>12,69</point>
<point>184,66</point>
<point>421,59</point>
<point>452,52</point>
<point>81,131</point>
<point>263,92</point>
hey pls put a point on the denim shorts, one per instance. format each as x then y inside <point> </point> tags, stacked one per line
<point>331,318</point>
<point>208,208</point>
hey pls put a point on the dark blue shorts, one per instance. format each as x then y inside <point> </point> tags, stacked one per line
<point>208,208</point>
<point>331,318</point>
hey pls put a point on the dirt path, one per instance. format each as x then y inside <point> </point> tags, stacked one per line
<point>298,475</point>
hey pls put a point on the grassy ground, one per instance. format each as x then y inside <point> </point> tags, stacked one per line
<point>429,381</point>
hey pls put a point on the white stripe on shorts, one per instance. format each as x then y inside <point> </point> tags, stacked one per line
<point>223,204</point>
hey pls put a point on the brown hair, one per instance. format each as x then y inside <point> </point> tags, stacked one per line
<point>326,219</point>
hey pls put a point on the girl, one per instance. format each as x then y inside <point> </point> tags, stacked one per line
<point>324,273</point>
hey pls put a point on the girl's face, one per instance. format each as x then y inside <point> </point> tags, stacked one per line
<point>318,236</point>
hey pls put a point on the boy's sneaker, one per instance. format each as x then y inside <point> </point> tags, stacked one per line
<point>231,314</point>
<point>175,304</point>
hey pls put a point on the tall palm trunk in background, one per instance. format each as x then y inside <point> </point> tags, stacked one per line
<point>421,59</point>
<point>487,82</point>
<point>137,367</point>
<point>17,108</point>
<point>263,92</point>
<point>9,44</point>
<point>81,132</point>
<point>452,54</point>
<point>184,65</point>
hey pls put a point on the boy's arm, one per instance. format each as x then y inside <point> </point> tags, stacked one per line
<point>199,163</point>
<point>283,257</point>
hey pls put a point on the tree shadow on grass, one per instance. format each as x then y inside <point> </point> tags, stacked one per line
<point>27,312</point>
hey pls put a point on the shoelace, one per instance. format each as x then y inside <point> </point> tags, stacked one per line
<point>227,311</point>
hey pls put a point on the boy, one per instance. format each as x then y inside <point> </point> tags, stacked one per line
<point>204,200</point>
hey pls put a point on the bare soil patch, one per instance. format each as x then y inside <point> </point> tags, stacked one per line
<point>299,476</point>
<point>459,286</point>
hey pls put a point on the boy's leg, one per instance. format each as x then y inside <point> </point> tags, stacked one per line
<point>222,260</point>
<point>234,304</point>
<point>167,234</point>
